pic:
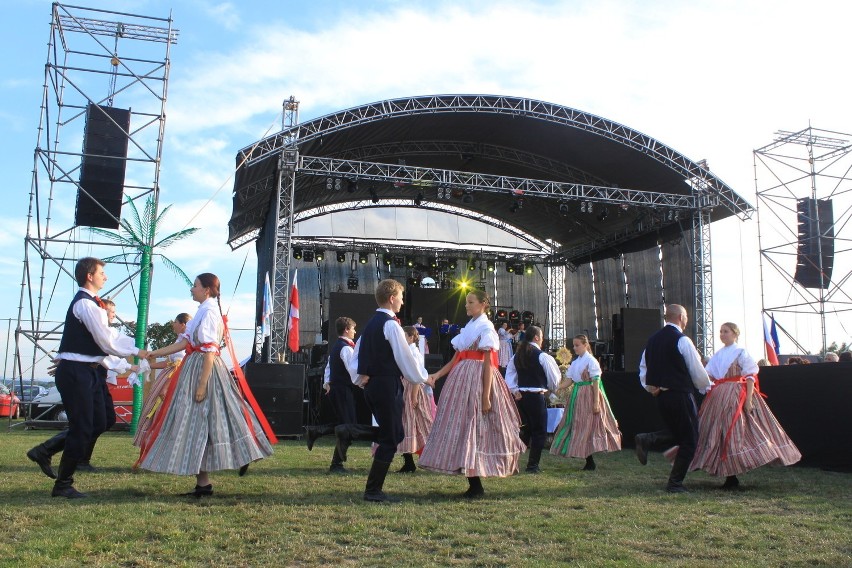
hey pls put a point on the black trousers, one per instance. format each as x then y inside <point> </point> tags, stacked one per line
<point>384,397</point>
<point>680,414</point>
<point>533,411</point>
<point>343,402</point>
<point>82,390</point>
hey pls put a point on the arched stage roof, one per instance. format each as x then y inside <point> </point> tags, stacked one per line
<point>495,149</point>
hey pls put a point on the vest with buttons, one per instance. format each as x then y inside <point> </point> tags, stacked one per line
<point>76,338</point>
<point>665,365</point>
<point>532,376</point>
<point>375,356</point>
<point>338,373</point>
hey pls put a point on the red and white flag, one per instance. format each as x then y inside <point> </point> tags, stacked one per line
<point>293,324</point>
<point>770,339</point>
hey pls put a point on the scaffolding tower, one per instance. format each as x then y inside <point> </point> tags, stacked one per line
<point>105,66</point>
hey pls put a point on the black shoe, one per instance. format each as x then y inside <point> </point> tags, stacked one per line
<point>87,467</point>
<point>337,468</point>
<point>379,497</point>
<point>200,491</point>
<point>243,470</point>
<point>672,488</point>
<point>590,464</point>
<point>474,493</point>
<point>731,482</point>
<point>42,459</point>
<point>533,469</point>
<point>312,436</point>
<point>641,450</point>
<point>68,492</point>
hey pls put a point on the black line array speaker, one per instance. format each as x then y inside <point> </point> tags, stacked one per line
<point>816,242</point>
<point>280,392</point>
<point>103,167</point>
<point>631,331</point>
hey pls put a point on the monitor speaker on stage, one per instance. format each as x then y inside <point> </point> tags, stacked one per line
<point>103,167</point>
<point>636,325</point>
<point>280,392</point>
<point>815,255</point>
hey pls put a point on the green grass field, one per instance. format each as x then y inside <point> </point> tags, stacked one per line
<point>289,512</point>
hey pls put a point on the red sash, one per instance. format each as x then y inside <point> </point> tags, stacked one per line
<point>740,405</point>
<point>477,356</point>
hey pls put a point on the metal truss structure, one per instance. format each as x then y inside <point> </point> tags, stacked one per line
<point>96,57</point>
<point>810,164</point>
<point>658,210</point>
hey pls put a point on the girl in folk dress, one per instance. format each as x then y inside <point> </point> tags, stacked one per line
<point>736,430</point>
<point>588,425</point>
<point>156,392</point>
<point>475,432</point>
<point>418,409</point>
<point>505,336</point>
<point>204,424</point>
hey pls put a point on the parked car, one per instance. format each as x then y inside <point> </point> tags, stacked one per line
<point>9,403</point>
<point>50,407</point>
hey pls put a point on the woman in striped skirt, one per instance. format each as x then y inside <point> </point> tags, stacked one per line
<point>588,425</point>
<point>204,424</point>
<point>736,430</point>
<point>154,395</point>
<point>475,432</point>
<point>418,409</point>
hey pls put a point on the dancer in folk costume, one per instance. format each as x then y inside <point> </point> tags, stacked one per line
<point>158,387</point>
<point>418,409</point>
<point>736,430</point>
<point>475,432</point>
<point>531,374</point>
<point>204,424</point>
<point>588,425</point>
<point>506,337</point>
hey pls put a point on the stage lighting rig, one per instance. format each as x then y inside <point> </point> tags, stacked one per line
<point>399,261</point>
<point>563,209</point>
<point>297,253</point>
<point>351,186</point>
<point>468,195</point>
<point>352,282</point>
<point>386,258</point>
<point>471,265</point>
<point>363,257</point>
<point>452,263</point>
<point>341,256</point>
<point>319,255</point>
<point>418,199</point>
<point>490,265</point>
<point>308,255</point>
<point>528,268</point>
<point>374,197</point>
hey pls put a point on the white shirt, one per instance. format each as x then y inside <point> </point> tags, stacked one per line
<point>721,361</point>
<point>585,362</point>
<point>350,362</point>
<point>479,331</point>
<point>402,355</point>
<point>693,364</point>
<point>551,371</point>
<point>207,325</point>
<point>94,318</point>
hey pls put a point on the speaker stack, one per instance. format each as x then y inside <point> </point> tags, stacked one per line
<point>815,254</point>
<point>280,392</point>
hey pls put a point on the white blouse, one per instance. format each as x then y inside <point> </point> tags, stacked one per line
<point>477,329</point>
<point>584,362</point>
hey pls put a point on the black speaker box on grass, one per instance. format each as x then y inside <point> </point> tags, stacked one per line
<point>280,392</point>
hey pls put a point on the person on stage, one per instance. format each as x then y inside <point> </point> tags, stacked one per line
<point>588,425</point>
<point>475,432</point>
<point>505,354</point>
<point>341,372</point>
<point>86,340</point>
<point>204,424</point>
<point>383,357</point>
<point>422,331</point>
<point>736,430</point>
<point>417,410</point>
<point>157,391</point>
<point>530,375</point>
<point>671,371</point>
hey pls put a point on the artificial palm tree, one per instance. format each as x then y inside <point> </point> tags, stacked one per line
<point>139,233</point>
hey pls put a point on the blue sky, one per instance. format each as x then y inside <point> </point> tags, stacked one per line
<point>714,80</point>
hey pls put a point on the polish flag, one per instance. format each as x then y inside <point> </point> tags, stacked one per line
<point>293,324</point>
<point>770,338</point>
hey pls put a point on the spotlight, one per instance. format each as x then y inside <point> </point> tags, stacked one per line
<point>352,283</point>
<point>468,196</point>
<point>583,207</point>
<point>490,265</point>
<point>501,314</point>
<point>341,256</point>
<point>514,315</point>
<point>414,282</point>
<point>510,267</point>
<point>329,184</point>
<point>399,261</point>
<point>451,264</point>
<point>387,259</point>
<point>351,186</point>
<point>374,197</point>
<point>518,204</point>
<point>338,183</point>
<point>363,257</point>
<point>434,263</point>
<point>589,207</point>
<point>409,261</point>
<point>297,253</point>
<point>443,191</point>
<point>319,255</point>
<point>563,209</point>
<point>528,268</point>
<point>308,255</point>
<point>603,215</point>
<point>418,199</point>
<point>442,264</point>
<point>471,265</point>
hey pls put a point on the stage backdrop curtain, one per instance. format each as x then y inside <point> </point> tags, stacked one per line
<point>644,280</point>
<point>579,309</point>
<point>609,294</point>
<point>677,277</point>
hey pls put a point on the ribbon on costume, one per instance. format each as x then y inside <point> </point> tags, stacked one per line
<point>563,437</point>
<point>476,356</point>
<point>246,391</point>
<point>740,405</point>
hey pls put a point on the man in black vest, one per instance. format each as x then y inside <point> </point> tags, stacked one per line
<point>671,370</point>
<point>383,357</point>
<point>341,372</point>
<point>86,340</point>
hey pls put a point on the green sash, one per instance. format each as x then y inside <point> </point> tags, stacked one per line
<point>563,437</point>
